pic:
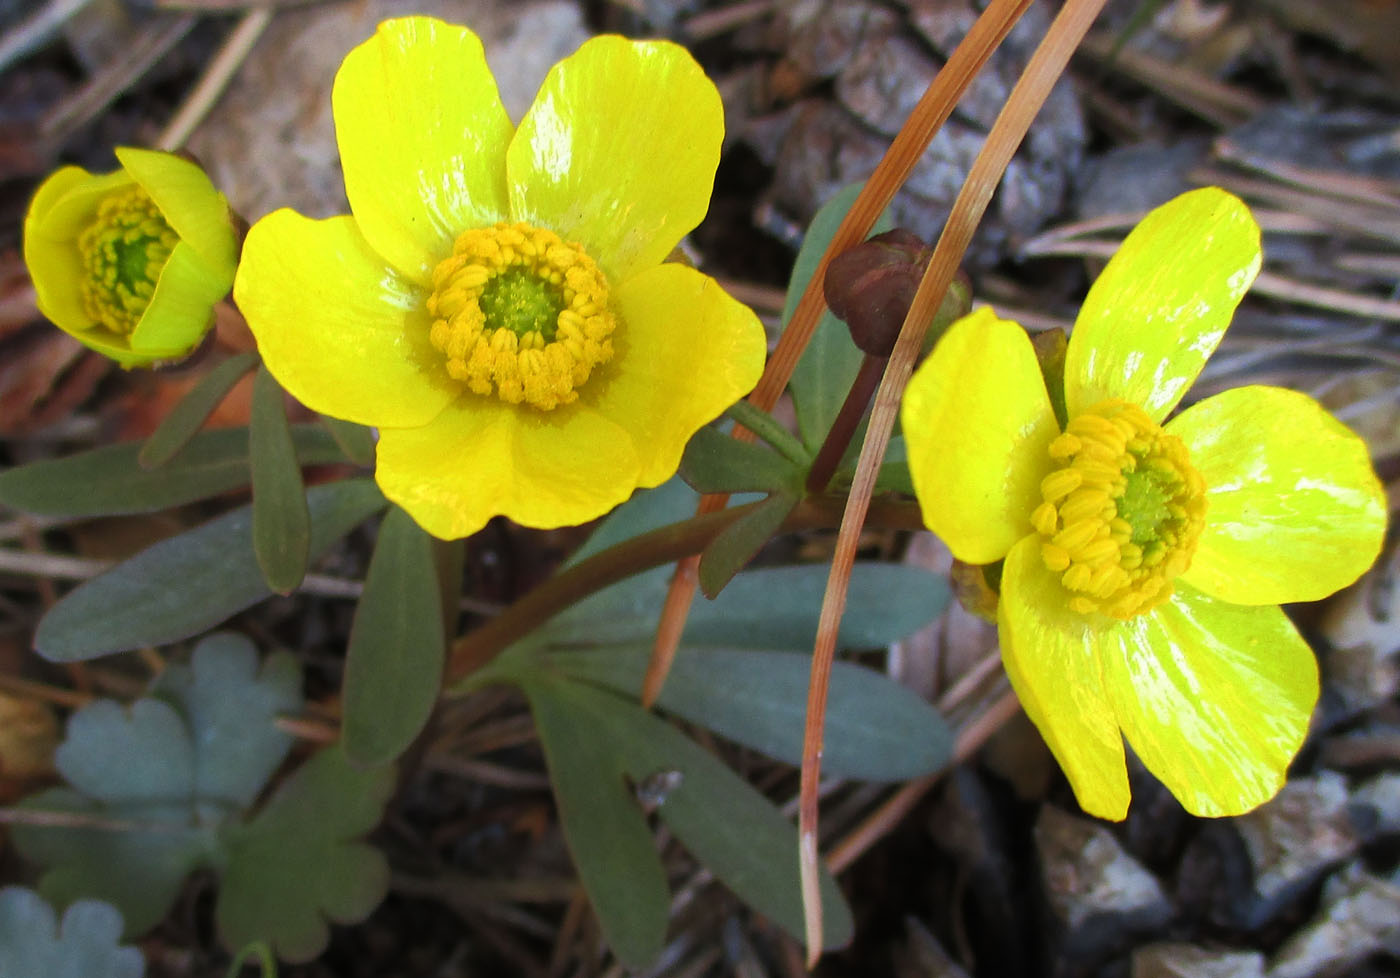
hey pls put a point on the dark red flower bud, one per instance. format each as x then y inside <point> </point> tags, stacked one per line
<point>871,286</point>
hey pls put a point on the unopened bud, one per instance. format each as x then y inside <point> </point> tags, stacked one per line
<point>871,287</point>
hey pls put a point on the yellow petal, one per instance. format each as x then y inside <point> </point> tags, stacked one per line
<point>1052,657</point>
<point>619,151</point>
<point>422,135</point>
<point>1159,309</point>
<point>187,200</point>
<point>977,422</point>
<point>180,310</point>
<point>1214,697</point>
<point>482,458</point>
<point>685,352</point>
<point>338,328</point>
<point>65,204</point>
<point>1294,509</point>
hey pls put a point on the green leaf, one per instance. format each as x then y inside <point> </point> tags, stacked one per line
<point>393,667</point>
<point>232,704</point>
<point>154,781</point>
<point>186,417</point>
<point>647,510</point>
<point>356,441</point>
<point>876,729</point>
<point>85,945</point>
<point>736,545</point>
<point>894,471</point>
<point>281,521</point>
<point>188,583</point>
<point>768,608</point>
<point>611,844</point>
<point>300,862</point>
<point>727,825</point>
<point>259,950</point>
<point>715,462</point>
<point>829,365</point>
<point>110,481</point>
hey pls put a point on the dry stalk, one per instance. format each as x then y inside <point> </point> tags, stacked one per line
<point>1030,92</point>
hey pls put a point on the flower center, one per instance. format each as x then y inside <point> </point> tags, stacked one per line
<point>522,314</point>
<point>1122,514</point>
<point>124,250</point>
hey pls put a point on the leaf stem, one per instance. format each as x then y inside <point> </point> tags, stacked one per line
<point>843,429</point>
<point>661,546</point>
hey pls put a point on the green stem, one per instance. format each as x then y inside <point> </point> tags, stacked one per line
<point>655,549</point>
<point>765,426</point>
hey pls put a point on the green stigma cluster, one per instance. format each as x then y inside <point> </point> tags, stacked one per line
<point>123,251</point>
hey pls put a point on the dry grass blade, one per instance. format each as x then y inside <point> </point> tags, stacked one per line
<point>155,41</point>
<point>36,29</point>
<point>1025,100</point>
<point>933,109</point>
<point>1217,103</point>
<point>215,79</point>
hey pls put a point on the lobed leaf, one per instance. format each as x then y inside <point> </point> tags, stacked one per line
<point>84,945</point>
<point>737,544</point>
<point>300,862</point>
<point>715,462</point>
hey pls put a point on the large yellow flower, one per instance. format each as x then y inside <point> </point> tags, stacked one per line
<point>131,263</point>
<point>499,305</point>
<point>1144,562</point>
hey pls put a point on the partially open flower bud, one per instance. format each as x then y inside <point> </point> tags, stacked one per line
<point>871,287</point>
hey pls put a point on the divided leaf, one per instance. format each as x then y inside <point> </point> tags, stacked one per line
<point>84,945</point>
<point>876,729</point>
<point>715,462</point>
<point>766,608</point>
<point>592,739</point>
<point>393,666</point>
<point>153,785</point>
<point>300,863</point>
<point>612,846</point>
<point>736,545</point>
<point>188,583</point>
<point>110,481</point>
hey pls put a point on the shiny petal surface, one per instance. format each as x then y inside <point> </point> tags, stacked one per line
<point>1052,657</point>
<point>619,151</point>
<point>62,208</point>
<point>977,422</point>
<point>482,458</point>
<point>1295,510</point>
<point>686,351</point>
<point>181,308</point>
<point>1160,307</point>
<point>1214,697</point>
<point>337,327</point>
<point>422,135</point>
<point>190,205</point>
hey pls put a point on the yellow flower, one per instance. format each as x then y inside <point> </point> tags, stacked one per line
<point>498,305</point>
<point>131,263</point>
<point>1144,562</point>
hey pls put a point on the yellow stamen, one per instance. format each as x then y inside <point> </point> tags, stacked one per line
<point>522,314</point>
<point>1121,516</point>
<point>124,250</point>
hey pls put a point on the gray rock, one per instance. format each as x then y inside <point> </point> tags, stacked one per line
<point>1295,838</point>
<point>270,142</point>
<point>1360,917</point>
<point>1190,961</point>
<point>1099,893</point>
<point>1375,806</point>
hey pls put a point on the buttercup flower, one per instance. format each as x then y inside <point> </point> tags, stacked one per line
<point>499,305</point>
<point>1144,562</point>
<point>131,263</point>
